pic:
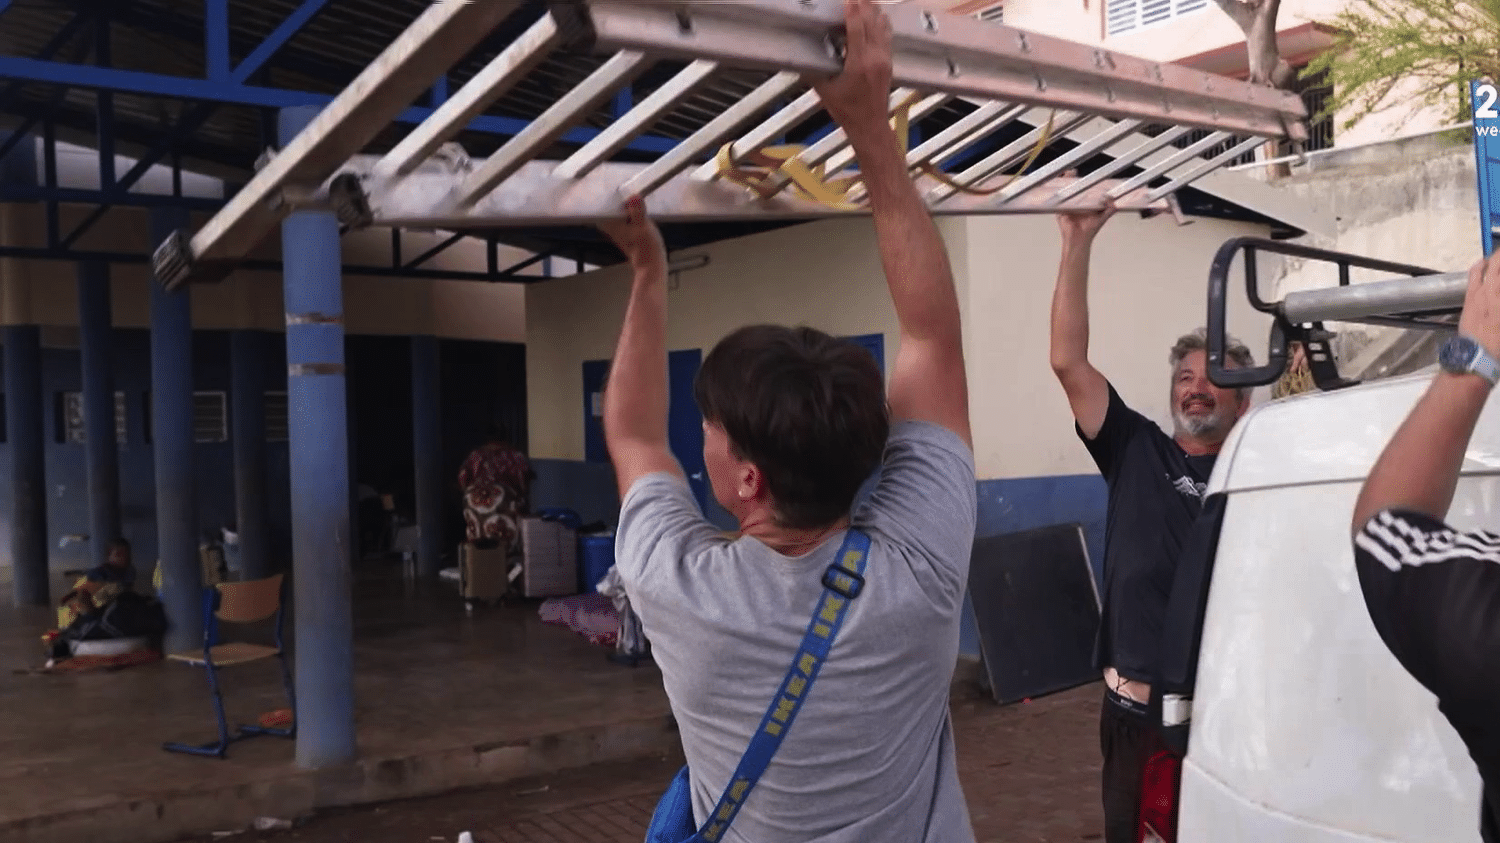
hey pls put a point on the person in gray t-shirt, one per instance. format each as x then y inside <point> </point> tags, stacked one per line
<point>795,422</point>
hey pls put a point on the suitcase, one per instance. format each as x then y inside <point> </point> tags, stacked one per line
<point>549,567</point>
<point>482,573</point>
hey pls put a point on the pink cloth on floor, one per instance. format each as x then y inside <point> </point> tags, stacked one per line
<point>591,615</point>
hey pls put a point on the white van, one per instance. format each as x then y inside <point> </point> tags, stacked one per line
<point>1299,724</point>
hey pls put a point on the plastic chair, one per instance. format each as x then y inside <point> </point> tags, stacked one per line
<point>238,603</point>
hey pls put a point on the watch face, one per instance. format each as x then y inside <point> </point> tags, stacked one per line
<point>1457,354</point>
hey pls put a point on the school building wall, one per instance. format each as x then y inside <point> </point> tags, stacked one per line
<point>481,331</point>
<point>1149,286</point>
<point>1202,36</point>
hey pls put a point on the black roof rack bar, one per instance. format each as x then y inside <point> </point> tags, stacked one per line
<point>1424,299</point>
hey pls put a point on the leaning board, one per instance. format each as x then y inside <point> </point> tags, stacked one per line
<point>1037,610</point>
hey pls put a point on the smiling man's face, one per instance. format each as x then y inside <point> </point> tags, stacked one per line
<point>1200,409</point>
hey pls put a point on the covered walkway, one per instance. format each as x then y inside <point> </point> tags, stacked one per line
<point>443,700</point>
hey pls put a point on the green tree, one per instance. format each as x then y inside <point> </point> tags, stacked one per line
<point>1437,46</point>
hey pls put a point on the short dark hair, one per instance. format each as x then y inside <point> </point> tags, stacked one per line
<point>119,543</point>
<point>806,408</point>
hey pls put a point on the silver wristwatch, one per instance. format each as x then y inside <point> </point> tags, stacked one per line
<point>1462,355</point>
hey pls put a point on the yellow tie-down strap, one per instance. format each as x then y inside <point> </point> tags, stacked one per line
<point>756,169</point>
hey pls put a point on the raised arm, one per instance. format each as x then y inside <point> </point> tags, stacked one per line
<point>1418,471</point>
<point>635,399</point>
<point>1087,390</point>
<point>928,380</point>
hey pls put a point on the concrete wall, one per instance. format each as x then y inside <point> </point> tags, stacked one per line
<point>825,274</point>
<point>1149,288</point>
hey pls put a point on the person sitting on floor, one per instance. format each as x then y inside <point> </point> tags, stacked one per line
<point>99,586</point>
<point>88,612</point>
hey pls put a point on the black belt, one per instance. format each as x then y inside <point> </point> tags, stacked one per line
<point>1139,709</point>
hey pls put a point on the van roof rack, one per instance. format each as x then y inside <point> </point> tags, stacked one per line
<point>1042,104</point>
<point>1421,298</point>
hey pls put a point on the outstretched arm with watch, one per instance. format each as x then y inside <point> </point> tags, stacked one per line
<point>1418,471</point>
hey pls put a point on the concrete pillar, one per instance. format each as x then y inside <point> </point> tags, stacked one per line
<point>95,343</point>
<point>427,453</point>
<point>24,419</point>
<point>172,445</point>
<point>313,291</point>
<point>351,425</point>
<point>28,480</point>
<point>247,432</point>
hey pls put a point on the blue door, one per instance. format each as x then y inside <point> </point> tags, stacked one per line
<point>876,344</point>
<point>594,373</point>
<point>684,422</point>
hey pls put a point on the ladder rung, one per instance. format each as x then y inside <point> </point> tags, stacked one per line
<point>1013,153</point>
<point>1182,156</point>
<point>1207,167</point>
<point>1081,152</point>
<point>636,120</point>
<point>768,131</point>
<point>1132,158</point>
<point>713,132</point>
<point>486,86</point>
<point>834,150</point>
<point>553,124</point>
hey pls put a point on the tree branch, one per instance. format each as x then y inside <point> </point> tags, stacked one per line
<point>1243,14</point>
<point>1257,19</point>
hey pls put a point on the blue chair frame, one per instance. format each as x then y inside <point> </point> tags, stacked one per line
<point>212,598</point>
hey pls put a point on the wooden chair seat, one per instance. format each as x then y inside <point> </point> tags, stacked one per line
<point>237,652</point>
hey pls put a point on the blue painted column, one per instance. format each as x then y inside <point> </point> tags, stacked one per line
<point>30,577</point>
<point>427,456</point>
<point>351,423</point>
<point>28,463</point>
<point>172,446</point>
<point>96,348</point>
<point>317,407</point>
<point>247,431</point>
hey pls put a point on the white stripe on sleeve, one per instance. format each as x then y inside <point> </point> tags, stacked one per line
<point>1395,541</point>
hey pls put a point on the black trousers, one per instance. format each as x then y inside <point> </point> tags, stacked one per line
<point>1127,742</point>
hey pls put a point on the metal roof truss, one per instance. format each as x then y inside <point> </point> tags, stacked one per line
<point>1048,89</point>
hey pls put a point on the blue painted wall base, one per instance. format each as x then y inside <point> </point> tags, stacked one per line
<point>1025,503</point>
<point>1005,506</point>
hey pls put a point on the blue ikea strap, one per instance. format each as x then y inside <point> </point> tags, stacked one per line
<point>842,582</point>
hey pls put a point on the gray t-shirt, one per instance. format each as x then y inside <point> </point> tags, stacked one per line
<point>870,757</point>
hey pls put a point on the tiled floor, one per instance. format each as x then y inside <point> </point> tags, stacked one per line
<point>1030,773</point>
<point>428,677</point>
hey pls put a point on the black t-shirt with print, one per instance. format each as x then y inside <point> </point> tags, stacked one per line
<point>1433,594</point>
<point>1155,494</point>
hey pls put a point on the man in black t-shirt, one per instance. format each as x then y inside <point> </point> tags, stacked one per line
<point>1156,484</point>
<point>1433,592</point>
